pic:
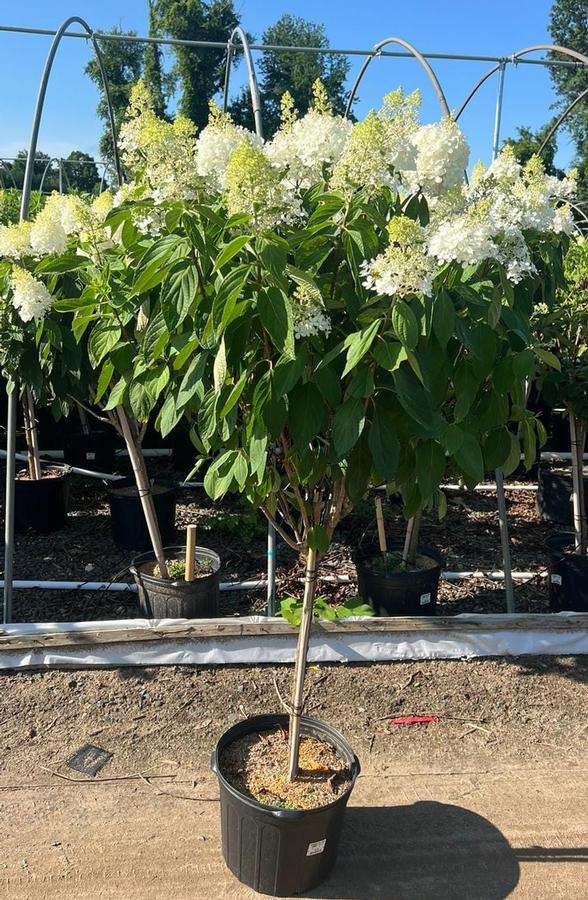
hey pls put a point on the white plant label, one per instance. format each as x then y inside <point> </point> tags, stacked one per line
<point>425,598</point>
<point>316,847</point>
<point>556,579</point>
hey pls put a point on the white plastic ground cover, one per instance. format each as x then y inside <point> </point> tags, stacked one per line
<point>345,646</point>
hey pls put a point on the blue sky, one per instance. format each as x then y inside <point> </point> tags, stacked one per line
<point>456,26</point>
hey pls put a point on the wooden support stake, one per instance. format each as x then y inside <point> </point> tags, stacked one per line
<point>380,524</point>
<point>300,665</point>
<point>190,553</point>
<point>412,539</point>
<point>35,471</point>
<point>578,439</point>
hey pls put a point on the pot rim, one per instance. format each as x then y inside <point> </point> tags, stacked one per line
<point>62,472</point>
<point>129,481</point>
<point>269,720</point>
<point>363,556</point>
<point>149,556</point>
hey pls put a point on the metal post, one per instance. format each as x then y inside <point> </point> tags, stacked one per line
<point>271,569</point>
<point>498,112</point>
<point>9,505</point>
<point>60,170</point>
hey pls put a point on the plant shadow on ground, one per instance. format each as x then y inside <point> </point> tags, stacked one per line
<point>426,851</point>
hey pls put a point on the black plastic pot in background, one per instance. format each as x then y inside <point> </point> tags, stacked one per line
<point>184,453</point>
<point>398,593</point>
<point>280,851</point>
<point>568,575</point>
<point>554,495</point>
<point>160,598</point>
<point>129,528</point>
<point>41,505</point>
<point>79,445</point>
<point>558,439</point>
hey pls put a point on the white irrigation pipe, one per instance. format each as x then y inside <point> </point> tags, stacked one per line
<point>89,473</point>
<point>160,451</point>
<point>497,575</point>
<point>120,586</point>
<point>554,457</point>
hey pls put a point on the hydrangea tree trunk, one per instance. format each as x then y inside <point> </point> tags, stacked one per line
<point>144,487</point>
<point>32,438</point>
<point>300,664</point>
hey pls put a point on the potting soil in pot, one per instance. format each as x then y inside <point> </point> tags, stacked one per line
<point>176,569</point>
<point>392,562</point>
<point>257,766</point>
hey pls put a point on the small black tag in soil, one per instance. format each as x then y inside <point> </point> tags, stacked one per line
<point>88,760</point>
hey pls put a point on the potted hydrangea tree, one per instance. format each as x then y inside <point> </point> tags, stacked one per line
<point>563,327</point>
<point>347,313</point>
<point>38,356</point>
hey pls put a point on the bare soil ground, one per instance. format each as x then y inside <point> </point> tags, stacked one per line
<point>468,538</point>
<point>488,803</point>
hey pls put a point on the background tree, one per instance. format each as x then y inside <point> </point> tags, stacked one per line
<point>294,72</point>
<point>13,174</point>
<point>80,172</point>
<point>153,74</point>
<point>200,71</point>
<point>123,63</point>
<point>528,142</point>
<point>568,26</point>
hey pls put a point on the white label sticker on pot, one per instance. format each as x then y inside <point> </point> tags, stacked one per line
<point>316,847</point>
<point>425,598</point>
<point>556,579</point>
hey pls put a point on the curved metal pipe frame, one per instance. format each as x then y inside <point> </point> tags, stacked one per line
<point>252,78</point>
<point>45,170</point>
<point>561,119</point>
<point>377,50</point>
<point>513,59</point>
<point>24,213</point>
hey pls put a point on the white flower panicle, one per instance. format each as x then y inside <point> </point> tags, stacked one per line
<point>30,297</point>
<point>441,157</point>
<point>47,236</point>
<point>308,313</point>
<point>404,267</point>
<point>15,240</point>
<point>215,146</point>
<point>379,146</point>
<point>308,147</point>
<point>254,187</point>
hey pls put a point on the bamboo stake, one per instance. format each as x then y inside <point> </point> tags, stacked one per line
<point>190,553</point>
<point>412,539</point>
<point>35,470</point>
<point>381,530</point>
<point>300,665</point>
<point>144,488</point>
<point>578,439</point>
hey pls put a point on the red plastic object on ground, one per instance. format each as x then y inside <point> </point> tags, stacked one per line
<point>413,720</point>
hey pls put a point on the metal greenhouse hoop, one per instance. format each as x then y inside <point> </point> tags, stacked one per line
<point>252,77</point>
<point>412,51</point>
<point>24,213</point>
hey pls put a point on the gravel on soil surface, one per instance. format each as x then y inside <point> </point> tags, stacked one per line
<point>468,538</point>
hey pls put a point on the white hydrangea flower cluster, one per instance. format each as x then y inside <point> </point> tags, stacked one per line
<point>215,146</point>
<point>379,146</point>
<point>485,221</point>
<point>47,235</point>
<point>308,313</point>
<point>253,186</point>
<point>404,267</point>
<point>15,240</point>
<point>441,155</point>
<point>159,152</point>
<point>30,297</point>
<point>306,148</point>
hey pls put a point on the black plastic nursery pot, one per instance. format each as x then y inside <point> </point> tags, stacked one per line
<point>90,449</point>
<point>42,505</point>
<point>129,528</point>
<point>568,575</point>
<point>160,598</point>
<point>398,593</point>
<point>280,852</point>
<point>554,495</point>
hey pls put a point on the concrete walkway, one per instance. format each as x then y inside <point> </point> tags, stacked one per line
<point>516,832</point>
